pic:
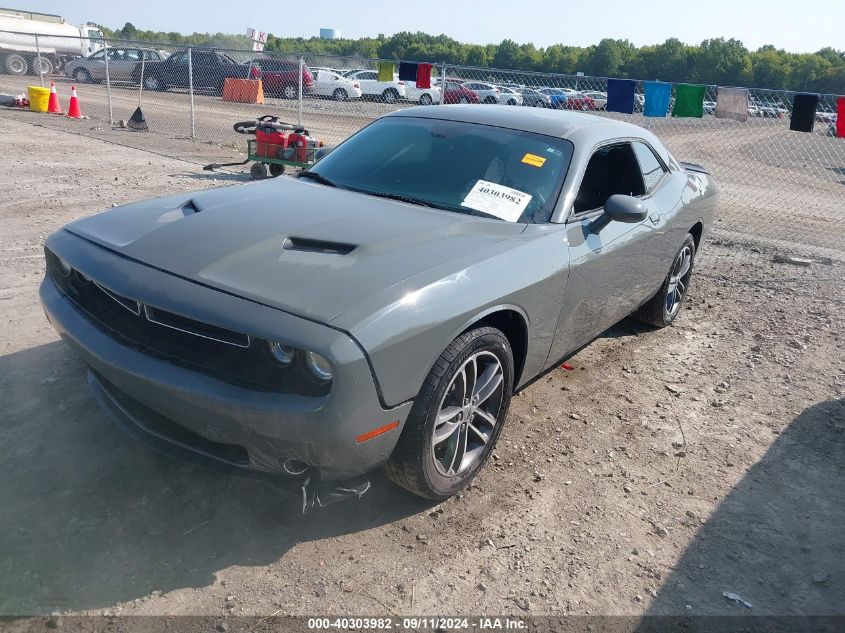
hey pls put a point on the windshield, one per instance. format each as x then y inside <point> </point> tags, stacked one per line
<point>463,167</point>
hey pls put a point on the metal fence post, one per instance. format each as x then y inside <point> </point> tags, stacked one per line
<point>38,55</point>
<point>108,80</point>
<point>301,69</point>
<point>191,91</point>
<point>443,83</point>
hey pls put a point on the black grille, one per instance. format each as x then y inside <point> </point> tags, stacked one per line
<point>224,354</point>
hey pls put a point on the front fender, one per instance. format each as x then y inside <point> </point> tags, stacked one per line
<point>404,329</point>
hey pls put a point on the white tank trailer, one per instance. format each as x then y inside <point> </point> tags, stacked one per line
<point>58,42</point>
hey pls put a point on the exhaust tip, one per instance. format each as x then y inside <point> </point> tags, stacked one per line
<point>295,466</point>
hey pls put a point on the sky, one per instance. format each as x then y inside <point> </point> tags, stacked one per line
<point>799,26</point>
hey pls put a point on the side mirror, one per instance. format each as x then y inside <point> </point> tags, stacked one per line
<point>620,208</point>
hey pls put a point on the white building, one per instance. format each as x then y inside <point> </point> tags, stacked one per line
<point>330,34</point>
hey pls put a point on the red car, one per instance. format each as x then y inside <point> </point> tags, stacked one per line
<point>577,102</point>
<point>281,76</point>
<point>457,93</point>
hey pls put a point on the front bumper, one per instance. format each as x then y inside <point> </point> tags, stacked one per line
<point>208,420</point>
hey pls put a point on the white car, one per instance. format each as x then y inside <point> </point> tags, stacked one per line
<point>331,84</point>
<point>387,91</point>
<point>600,98</point>
<point>487,93</point>
<point>423,96</point>
<point>509,96</point>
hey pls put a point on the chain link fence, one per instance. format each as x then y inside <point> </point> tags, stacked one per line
<point>782,191</point>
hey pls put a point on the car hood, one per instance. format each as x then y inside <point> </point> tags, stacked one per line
<point>299,246</point>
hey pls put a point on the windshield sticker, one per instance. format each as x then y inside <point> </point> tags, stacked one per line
<point>533,159</point>
<point>498,200</point>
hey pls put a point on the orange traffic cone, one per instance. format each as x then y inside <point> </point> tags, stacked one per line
<point>53,106</point>
<point>73,110</point>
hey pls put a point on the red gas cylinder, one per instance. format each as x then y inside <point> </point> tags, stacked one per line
<point>269,142</point>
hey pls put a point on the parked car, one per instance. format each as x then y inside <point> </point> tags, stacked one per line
<point>599,98</point>
<point>509,96</point>
<point>348,71</point>
<point>331,84</point>
<point>371,88</point>
<point>122,62</point>
<point>456,92</point>
<point>487,93</point>
<point>281,76</point>
<point>563,99</point>
<point>639,102</point>
<point>534,98</point>
<point>418,274</point>
<point>710,107</point>
<point>423,96</point>
<point>210,70</point>
<point>767,109</point>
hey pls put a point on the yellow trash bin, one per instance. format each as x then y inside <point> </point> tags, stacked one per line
<point>39,98</point>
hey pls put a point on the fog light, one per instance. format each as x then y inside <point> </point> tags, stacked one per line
<point>318,365</point>
<point>282,353</point>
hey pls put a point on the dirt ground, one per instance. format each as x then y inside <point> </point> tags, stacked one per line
<point>665,468</point>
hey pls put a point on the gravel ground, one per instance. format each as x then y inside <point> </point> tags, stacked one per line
<point>665,468</point>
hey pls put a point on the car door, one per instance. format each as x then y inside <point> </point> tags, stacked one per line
<point>368,80</point>
<point>206,70</point>
<point>96,65</point>
<point>121,62</point>
<point>614,270</point>
<point>176,69</point>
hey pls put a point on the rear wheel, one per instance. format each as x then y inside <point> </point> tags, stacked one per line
<point>258,171</point>
<point>662,309</point>
<point>276,170</point>
<point>46,66</point>
<point>390,96</point>
<point>15,64</point>
<point>154,82</point>
<point>425,99</point>
<point>82,75</point>
<point>463,100</point>
<point>457,416</point>
<point>290,92</point>
<point>340,94</point>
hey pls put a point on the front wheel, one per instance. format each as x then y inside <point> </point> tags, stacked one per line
<point>82,75</point>
<point>153,82</point>
<point>662,309</point>
<point>290,92</point>
<point>457,416</point>
<point>340,95</point>
<point>425,99</point>
<point>390,96</point>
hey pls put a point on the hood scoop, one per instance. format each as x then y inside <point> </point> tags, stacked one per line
<point>308,245</point>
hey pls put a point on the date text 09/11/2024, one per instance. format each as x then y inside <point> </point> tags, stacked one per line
<point>417,623</point>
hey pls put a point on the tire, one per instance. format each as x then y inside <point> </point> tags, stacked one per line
<point>290,92</point>
<point>47,67</point>
<point>276,170</point>
<point>463,100</point>
<point>425,99</point>
<point>340,95</point>
<point>154,82</point>
<point>390,96</point>
<point>490,100</point>
<point>258,171</point>
<point>15,64</point>
<point>81,75</point>
<point>662,309</point>
<point>439,469</point>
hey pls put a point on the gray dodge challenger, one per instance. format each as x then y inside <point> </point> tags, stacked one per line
<point>380,308</point>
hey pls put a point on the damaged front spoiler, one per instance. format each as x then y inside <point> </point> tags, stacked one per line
<point>315,492</point>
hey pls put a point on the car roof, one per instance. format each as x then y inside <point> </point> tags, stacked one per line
<point>577,126</point>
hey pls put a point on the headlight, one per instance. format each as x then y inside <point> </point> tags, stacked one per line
<point>318,365</point>
<point>64,268</point>
<point>282,353</point>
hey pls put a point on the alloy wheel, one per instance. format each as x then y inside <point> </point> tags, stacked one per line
<point>468,414</point>
<point>678,281</point>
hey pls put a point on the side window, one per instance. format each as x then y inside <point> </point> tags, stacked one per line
<point>179,58</point>
<point>99,56</point>
<point>133,55</point>
<point>612,169</point>
<point>651,168</point>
